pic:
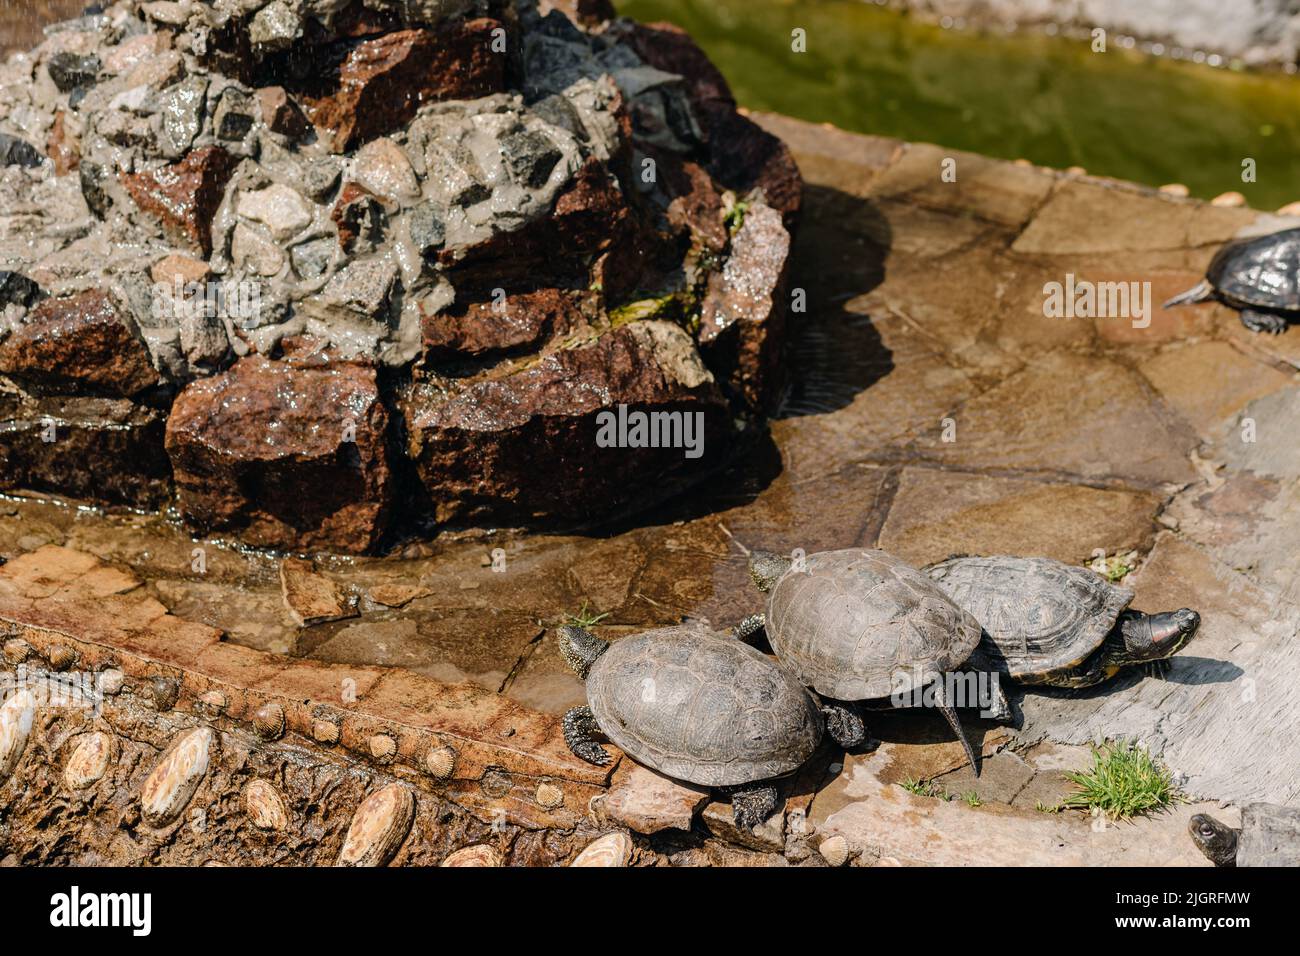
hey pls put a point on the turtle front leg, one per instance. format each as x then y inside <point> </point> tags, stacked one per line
<point>1158,669</point>
<point>750,806</point>
<point>579,730</point>
<point>1263,321</point>
<point>844,724</point>
<point>749,627</point>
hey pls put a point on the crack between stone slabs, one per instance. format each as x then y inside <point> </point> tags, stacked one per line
<point>1260,356</point>
<point>525,655</point>
<point>874,524</point>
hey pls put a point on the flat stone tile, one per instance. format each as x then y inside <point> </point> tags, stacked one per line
<point>1210,383</point>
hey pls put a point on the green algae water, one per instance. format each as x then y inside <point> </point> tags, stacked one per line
<point>1047,99</point>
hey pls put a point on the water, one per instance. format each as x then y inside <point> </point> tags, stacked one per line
<point>1047,99</point>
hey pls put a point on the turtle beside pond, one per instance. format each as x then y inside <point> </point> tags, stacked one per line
<point>1269,836</point>
<point>1259,277</point>
<point>1047,622</point>
<point>861,626</point>
<point>695,706</point>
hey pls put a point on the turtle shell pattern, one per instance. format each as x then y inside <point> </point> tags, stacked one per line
<point>1263,272</point>
<point>860,624</point>
<point>702,708</point>
<point>1040,615</point>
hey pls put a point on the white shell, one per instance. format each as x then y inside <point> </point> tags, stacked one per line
<point>440,761</point>
<point>480,855</point>
<point>378,828</point>
<point>171,785</point>
<point>89,761</point>
<point>613,849</point>
<point>264,806</point>
<point>16,717</point>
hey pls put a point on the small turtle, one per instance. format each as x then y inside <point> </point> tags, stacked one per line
<point>862,626</point>
<point>1259,277</point>
<point>1269,836</point>
<point>1046,622</point>
<point>695,706</point>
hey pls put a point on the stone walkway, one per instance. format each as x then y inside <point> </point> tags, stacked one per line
<point>1073,437</point>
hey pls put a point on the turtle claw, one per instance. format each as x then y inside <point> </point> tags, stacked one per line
<point>1263,322</point>
<point>752,805</point>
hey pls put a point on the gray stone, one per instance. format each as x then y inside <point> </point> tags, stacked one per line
<point>310,259</point>
<point>426,228</point>
<point>70,70</point>
<point>234,115</point>
<point>363,287</point>
<point>278,207</point>
<point>319,178</point>
<point>17,152</point>
<point>530,157</point>
<point>275,26</point>
<point>17,289</point>
<point>181,110</point>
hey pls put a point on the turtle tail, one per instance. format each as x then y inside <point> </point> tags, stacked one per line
<point>1201,292</point>
<point>945,707</point>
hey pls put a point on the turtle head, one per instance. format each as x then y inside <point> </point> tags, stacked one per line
<point>766,568</point>
<point>1217,841</point>
<point>1154,637</point>
<point>580,648</point>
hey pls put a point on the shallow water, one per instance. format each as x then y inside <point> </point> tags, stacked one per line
<point>1047,99</point>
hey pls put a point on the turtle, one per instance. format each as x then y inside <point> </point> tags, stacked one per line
<point>1269,836</point>
<point>861,626</point>
<point>1259,277</point>
<point>694,705</point>
<point>1050,623</point>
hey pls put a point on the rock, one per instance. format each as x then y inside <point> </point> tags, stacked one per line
<point>172,784</point>
<point>768,835</point>
<point>89,761</point>
<point>480,855</point>
<point>520,321</point>
<point>264,806</point>
<point>281,113</point>
<point>157,73</point>
<point>62,148</point>
<point>1231,199</point>
<point>646,802</point>
<point>279,208</point>
<point>834,850</point>
<point>383,80</point>
<point>17,289</point>
<point>234,115</point>
<point>743,318</point>
<point>378,828</point>
<point>310,597</point>
<point>286,456</point>
<point>275,26</point>
<point>69,70</point>
<point>180,108</point>
<point>382,168</point>
<point>361,288</point>
<point>427,229</point>
<point>312,258</point>
<point>16,715</point>
<point>179,268</point>
<point>396,595</point>
<point>133,51</point>
<point>184,196</point>
<point>613,849</point>
<point>530,156</point>
<point>475,446</point>
<point>253,250</point>
<point>359,218</point>
<point>17,152</point>
<point>81,342</point>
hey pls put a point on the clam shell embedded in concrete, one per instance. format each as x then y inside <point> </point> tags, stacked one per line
<point>378,827</point>
<point>325,731</point>
<point>264,806</point>
<point>269,721</point>
<point>89,761</point>
<point>171,785</point>
<point>16,715</point>
<point>481,855</point>
<point>613,849</point>
<point>440,761</point>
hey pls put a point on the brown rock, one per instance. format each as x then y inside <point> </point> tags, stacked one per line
<point>177,268</point>
<point>286,456</point>
<point>521,321</point>
<point>476,448</point>
<point>81,342</point>
<point>647,802</point>
<point>310,597</point>
<point>742,325</point>
<point>185,195</point>
<point>62,148</point>
<point>281,113</point>
<point>383,80</point>
<point>358,215</point>
<point>396,595</point>
<point>768,835</point>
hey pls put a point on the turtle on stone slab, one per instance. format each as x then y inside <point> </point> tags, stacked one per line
<point>1062,625</point>
<point>860,626</point>
<point>1269,836</point>
<point>696,706</point>
<point>1259,277</point>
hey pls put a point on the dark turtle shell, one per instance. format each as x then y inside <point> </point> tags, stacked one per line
<point>860,624</point>
<point>1261,273</point>
<point>1041,616</point>
<point>706,709</point>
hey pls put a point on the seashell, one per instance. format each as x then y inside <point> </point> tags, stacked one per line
<point>171,785</point>
<point>89,761</point>
<point>480,855</point>
<point>264,806</point>
<point>550,796</point>
<point>378,828</point>
<point>213,703</point>
<point>834,850</point>
<point>17,650</point>
<point>440,761</point>
<point>382,747</point>
<point>325,731</point>
<point>16,717</point>
<point>165,692</point>
<point>613,849</point>
<point>268,722</point>
<point>61,657</point>
<point>111,681</point>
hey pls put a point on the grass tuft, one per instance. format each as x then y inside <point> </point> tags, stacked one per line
<point>1125,781</point>
<point>585,618</point>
